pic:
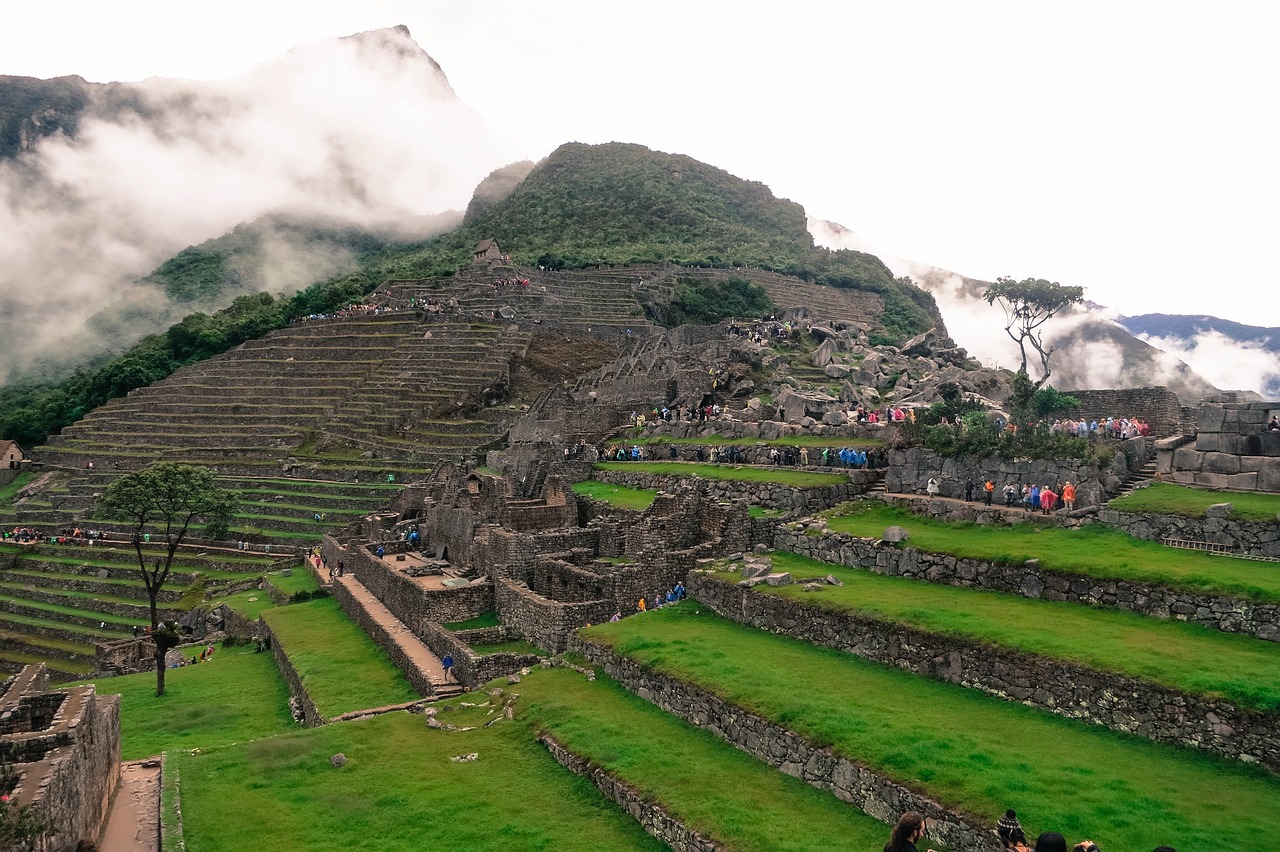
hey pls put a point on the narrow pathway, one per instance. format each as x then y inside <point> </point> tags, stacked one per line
<point>134,822</point>
<point>414,648</point>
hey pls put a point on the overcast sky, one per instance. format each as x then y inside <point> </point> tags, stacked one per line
<point>1128,148</point>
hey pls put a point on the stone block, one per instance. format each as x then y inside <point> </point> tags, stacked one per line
<point>836,371</point>
<point>1211,480</point>
<point>1209,419</point>
<point>895,534</point>
<point>783,579</point>
<point>1187,459</point>
<point>1218,510</point>
<point>1269,443</point>
<point>1210,442</point>
<point>833,580</point>
<point>1220,463</point>
<point>1243,481</point>
<point>1269,475</point>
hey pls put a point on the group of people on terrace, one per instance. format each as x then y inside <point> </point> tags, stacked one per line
<point>913,828</point>
<point>675,594</point>
<point>358,309</point>
<point>1031,497</point>
<point>67,535</point>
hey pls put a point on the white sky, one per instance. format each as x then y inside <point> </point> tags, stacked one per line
<point>1130,148</point>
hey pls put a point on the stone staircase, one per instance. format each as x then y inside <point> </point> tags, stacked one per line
<point>1137,480</point>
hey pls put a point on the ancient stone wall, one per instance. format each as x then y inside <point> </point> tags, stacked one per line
<point>1248,538</point>
<point>407,600</point>
<point>1230,615</point>
<point>311,716</point>
<point>764,740</point>
<point>545,622</point>
<point>910,471</point>
<point>768,495</point>
<point>384,640</point>
<point>1158,407</point>
<point>1115,701</point>
<point>1233,449</point>
<point>469,668</point>
<point>651,816</point>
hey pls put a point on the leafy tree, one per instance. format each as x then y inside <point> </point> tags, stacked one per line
<point>1028,304</point>
<point>169,497</point>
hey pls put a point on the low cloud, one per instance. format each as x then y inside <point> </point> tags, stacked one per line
<point>365,130</point>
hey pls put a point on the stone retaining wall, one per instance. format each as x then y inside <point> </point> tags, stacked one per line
<point>767,494</point>
<point>310,713</point>
<point>544,622</point>
<point>384,639</point>
<point>469,668</point>
<point>1250,538</point>
<point>1121,703</point>
<point>652,817</point>
<point>770,743</point>
<point>1158,407</point>
<point>910,471</point>
<point>1230,615</point>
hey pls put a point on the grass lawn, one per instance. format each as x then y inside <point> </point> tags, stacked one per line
<point>1183,656</point>
<point>779,475</point>
<point>1094,550</point>
<point>616,495</point>
<point>398,791</point>
<point>484,619</point>
<point>340,666</point>
<point>250,603</point>
<point>1169,499</point>
<point>973,752</point>
<point>762,512</point>
<point>8,492</point>
<point>710,785</point>
<point>300,579</point>
<point>511,646</point>
<point>235,697</point>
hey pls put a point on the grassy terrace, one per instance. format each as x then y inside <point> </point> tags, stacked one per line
<point>1169,499</point>
<point>236,696</point>
<point>1093,550</point>
<point>8,492</point>
<point>973,752</point>
<point>708,784</point>
<point>1183,656</point>
<point>737,473</point>
<point>621,496</point>
<point>399,792</point>
<point>340,666</point>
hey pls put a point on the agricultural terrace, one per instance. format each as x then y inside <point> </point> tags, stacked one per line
<point>1168,499</point>
<point>341,668</point>
<point>732,473</point>
<point>1060,774</point>
<point>1175,654</point>
<point>1093,550</point>
<point>621,496</point>
<point>714,788</point>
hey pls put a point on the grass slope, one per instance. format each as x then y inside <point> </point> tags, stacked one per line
<point>1168,499</point>
<point>1093,550</point>
<point>1183,656</point>
<point>616,495</point>
<point>973,752</point>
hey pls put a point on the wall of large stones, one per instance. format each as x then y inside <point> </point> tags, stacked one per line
<point>76,792</point>
<point>911,469</point>
<point>1250,538</point>
<point>651,816</point>
<point>1157,407</point>
<point>546,623</point>
<point>384,639</point>
<point>310,713</point>
<point>766,494</point>
<point>1117,702</point>
<point>847,780</point>
<point>1230,615</point>
<point>469,668</point>
<point>407,600</point>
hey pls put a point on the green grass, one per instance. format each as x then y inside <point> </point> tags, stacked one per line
<point>1094,550</point>
<point>1168,499</point>
<point>737,473</point>
<point>340,666</point>
<point>975,753</point>
<point>250,603</point>
<point>399,792</point>
<point>511,646</point>
<point>8,492</point>
<point>484,619</point>
<point>1175,654</point>
<point>762,512</point>
<point>713,787</point>
<point>300,579</point>
<point>235,697</point>
<point>637,499</point>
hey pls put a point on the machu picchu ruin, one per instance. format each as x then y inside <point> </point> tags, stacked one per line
<point>556,551</point>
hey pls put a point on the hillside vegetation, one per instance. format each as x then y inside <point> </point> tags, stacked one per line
<point>582,205</point>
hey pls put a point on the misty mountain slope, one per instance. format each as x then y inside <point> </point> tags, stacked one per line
<point>100,183</point>
<point>1092,350</point>
<point>1231,353</point>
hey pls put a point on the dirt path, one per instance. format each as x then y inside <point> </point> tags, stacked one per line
<point>413,647</point>
<point>134,822</point>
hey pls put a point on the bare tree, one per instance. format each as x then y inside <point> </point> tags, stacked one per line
<point>1028,304</point>
<point>166,497</point>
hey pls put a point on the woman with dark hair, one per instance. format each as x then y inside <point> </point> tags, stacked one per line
<point>910,828</point>
<point>1051,841</point>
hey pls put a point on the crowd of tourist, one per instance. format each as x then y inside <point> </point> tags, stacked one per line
<point>675,594</point>
<point>913,827</point>
<point>67,535</point>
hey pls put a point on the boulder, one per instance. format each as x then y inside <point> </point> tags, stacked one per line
<point>836,371</point>
<point>833,580</point>
<point>783,579</point>
<point>895,534</point>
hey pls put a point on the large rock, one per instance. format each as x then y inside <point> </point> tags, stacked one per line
<point>836,371</point>
<point>895,534</point>
<point>921,344</point>
<point>824,353</point>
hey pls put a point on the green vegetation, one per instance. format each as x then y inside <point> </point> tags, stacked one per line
<point>398,792</point>
<point>621,496</point>
<point>709,302</point>
<point>762,512</point>
<point>340,666</point>
<point>1169,499</point>
<point>234,697</point>
<point>299,580</point>
<point>1071,777</point>
<point>714,788</point>
<point>8,492</point>
<point>513,646</point>
<point>1183,656</point>
<point>1093,550</point>
<point>738,473</point>
<point>481,621</point>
